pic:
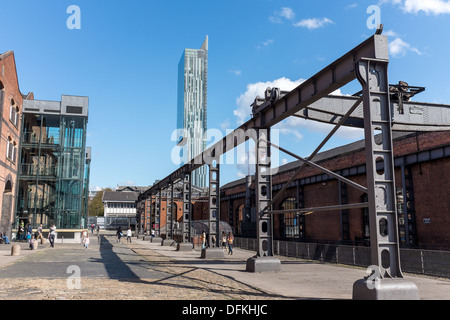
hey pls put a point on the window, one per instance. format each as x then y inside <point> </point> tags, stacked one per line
<point>2,94</point>
<point>14,113</point>
<point>11,150</point>
<point>289,221</point>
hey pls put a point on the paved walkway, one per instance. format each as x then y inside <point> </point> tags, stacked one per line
<point>148,271</point>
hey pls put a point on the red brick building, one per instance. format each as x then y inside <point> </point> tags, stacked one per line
<point>11,110</point>
<point>146,209</point>
<point>422,163</point>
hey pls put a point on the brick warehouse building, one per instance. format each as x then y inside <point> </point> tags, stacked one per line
<point>11,108</point>
<point>422,163</point>
<point>145,210</point>
<point>423,187</point>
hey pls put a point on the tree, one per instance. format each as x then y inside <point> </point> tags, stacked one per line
<point>95,207</point>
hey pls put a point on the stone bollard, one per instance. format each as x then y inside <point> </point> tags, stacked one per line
<point>43,241</point>
<point>15,250</point>
<point>34,245</point>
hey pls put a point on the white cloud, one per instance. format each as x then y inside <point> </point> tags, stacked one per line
<point>399,48</point>
<point>351,6</point>
<point>313,23</point>
<point>236,72</point>
<point>429,6</point>
<point>244,101</point>
<point>266,43</point>
<point>435,7</point>
<point>226,124</point>
<point>390,33</point>
<point>285,12</point>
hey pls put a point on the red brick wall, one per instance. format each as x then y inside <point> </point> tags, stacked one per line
<point>8,168</point>
<point>431,182</point>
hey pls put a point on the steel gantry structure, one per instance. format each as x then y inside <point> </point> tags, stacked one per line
<point>379,109</point>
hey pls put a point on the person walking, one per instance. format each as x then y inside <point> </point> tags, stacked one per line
<point>39,233</point>
<point>224,240</point>
<point>84,234</point>
<point>119,234</point>
<point>86,242</point>
<point>52,235</point>
<point>203,239</point>
<point>129,234</point>
<point>230,240</point>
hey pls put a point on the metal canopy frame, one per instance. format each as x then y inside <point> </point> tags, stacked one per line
<point>367,62</point>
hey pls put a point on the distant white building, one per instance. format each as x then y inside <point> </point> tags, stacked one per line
<point>121,203</point>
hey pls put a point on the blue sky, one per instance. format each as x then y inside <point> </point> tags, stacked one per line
<point>125,58</point>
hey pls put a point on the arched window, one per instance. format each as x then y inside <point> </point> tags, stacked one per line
<point>14,113</point>
<point>10,149</point>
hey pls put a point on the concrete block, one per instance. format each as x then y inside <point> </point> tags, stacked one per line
<point>156,240</point>
<point>212,253</point>
<point>263,264</point>
<point>167,242</point>
<point>385,289</point>
<point>185,246</point>
<point>15,250</point>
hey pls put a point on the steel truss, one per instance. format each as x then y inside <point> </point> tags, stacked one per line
<point>368,62</point>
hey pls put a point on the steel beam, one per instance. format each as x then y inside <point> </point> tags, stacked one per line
<point>310,210</point>
<point>214,251</point>
<point>169,196</point>
<point>385,252</point>
<point>149,214</point>
<point>264,260</point>
<point>185,243</point>
<point>318,167</point>
<point>413,116</point>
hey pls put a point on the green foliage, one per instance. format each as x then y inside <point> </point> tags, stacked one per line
<point>95,207</point>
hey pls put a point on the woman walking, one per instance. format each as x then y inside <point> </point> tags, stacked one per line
<point>230,240</point>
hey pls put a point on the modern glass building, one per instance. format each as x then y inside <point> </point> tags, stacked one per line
<point>192,106</point>
<point>53,177</point>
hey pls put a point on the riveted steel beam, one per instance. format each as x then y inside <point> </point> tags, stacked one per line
<point>413,116</point>
<point>185,243</point>
<point>385,252</point>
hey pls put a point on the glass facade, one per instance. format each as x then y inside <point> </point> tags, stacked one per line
<point>53,175</point>
<point>192,105</point>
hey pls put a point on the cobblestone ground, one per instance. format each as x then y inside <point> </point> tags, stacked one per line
<point>168,281</point>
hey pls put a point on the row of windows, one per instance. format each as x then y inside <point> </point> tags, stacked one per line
<point>120,205</point>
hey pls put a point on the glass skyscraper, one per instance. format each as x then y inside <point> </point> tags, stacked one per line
<point>192,106</point>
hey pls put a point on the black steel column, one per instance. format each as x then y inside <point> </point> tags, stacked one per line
<point>185,243</point>
<point>385,252</point>
<point>264,260</point>
<point>214,213</point>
